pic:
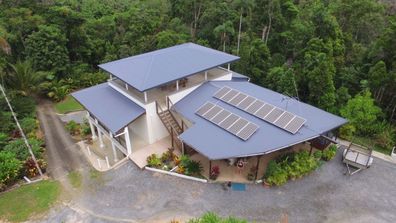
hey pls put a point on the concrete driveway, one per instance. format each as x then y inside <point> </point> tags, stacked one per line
<point>128,194</point>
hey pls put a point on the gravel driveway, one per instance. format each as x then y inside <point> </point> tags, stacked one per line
<point>324,196</point>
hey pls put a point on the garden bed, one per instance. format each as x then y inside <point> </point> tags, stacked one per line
<point>171,164</point>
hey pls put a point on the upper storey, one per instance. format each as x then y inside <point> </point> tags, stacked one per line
<point>150,70</point>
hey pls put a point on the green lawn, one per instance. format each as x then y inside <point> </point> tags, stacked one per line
<point>19,204</point>
<point>369,143</point>
<point>69,104</point>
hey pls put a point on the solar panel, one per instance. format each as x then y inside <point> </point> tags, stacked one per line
<point>238,99</point>
<point>212,112</point>
<point>205,108</point>
<point>263,111</point>
<point>230,122</point>
<point>238,125</point>
<point>295,124</point>
<point>284,119</point>
<point>247,131</point>
<point>272,114</point>
<point>229,95</point>
<point>220,93</point>
<point>246,102</point>
<point>255,106</point>
<point>221,116</point>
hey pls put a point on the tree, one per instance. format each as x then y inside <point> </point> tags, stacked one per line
<point>244,6</point>
<point>9,168</point>
<point>318,73</point>
<point>169,38</point>
<point>378,79</point>
<point>281,79</point>
<point>256,61</point>
<point>224,30</point>
<point>47,49</point>
<point>23,78</point>
<point>362,113</point>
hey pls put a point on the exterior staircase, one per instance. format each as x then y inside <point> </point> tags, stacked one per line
<point>169,120</point>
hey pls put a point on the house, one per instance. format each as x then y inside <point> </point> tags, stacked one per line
<point>187,96</point>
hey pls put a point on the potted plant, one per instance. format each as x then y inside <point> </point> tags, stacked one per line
<point>252,174</point>
<point>214,173</point>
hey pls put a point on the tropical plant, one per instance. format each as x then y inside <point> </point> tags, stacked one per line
<point>18,147</point>
<point>73,127</point>
<point>10,167</point>
<point>275,174</point>
<point>30,168</point>
<point>329,153</point>
<point>191,167</point>
<point>154,161</point>
<point>23,78</point>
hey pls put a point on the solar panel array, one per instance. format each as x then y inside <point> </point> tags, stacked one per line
<point>228,121</point>
<point>265,111</point>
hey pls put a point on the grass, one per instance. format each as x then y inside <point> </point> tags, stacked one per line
<point>69,104</point>
<point>19,204</point>
<point>369,143</point>
<point>75,179</point>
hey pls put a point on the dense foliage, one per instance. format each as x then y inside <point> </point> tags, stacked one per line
<point>338,55</point>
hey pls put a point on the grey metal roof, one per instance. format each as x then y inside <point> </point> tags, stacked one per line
<point>215,143</point>
<point>149,70</point>
<point>111,108</point>
<point>238,76</point>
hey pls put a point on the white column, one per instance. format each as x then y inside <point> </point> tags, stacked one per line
<point>177,85</point>
<point>100,135</point>
<point>126,86</point>
<point>145,96</point>
<point>206,75</point>
<point>113,147</point>
<point>93,132</point>
<point>128,141</point>
<point>228,66</point>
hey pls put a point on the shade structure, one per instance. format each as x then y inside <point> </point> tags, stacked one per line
<point>111,108</point>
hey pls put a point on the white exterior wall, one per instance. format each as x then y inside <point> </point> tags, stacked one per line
<point>140,128</point>
<point>156,129</point>
<point>226,77</point>
<point>181,94</point>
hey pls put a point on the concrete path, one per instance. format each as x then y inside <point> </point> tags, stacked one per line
<point>63,155</point>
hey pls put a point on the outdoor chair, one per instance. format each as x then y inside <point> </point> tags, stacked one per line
<point>357,157</point>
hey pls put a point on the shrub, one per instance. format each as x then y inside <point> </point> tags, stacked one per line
<point>329,153</point>
<point>73,127</point>
<point>191,167</point>
<point>167,156</point>
<point>85,129</point>
<point>30,168</point>
<point>347,131</point>
<point>154,161</point>
<point>20,150</point>
<point>3,139</point>
<point>23,106</point>
<point>7,122</point>
<point>318,155</point>
<point>29,125</point>
<point>275,174</point>
<point>214,172</point>
<point>10,167</point>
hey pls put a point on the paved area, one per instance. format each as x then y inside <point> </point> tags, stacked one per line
<point>327,195</point>
<point>77,116</point>
<point>62,153</point>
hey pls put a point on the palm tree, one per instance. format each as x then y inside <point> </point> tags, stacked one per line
<point>222,31</point>
<point>23,78</point>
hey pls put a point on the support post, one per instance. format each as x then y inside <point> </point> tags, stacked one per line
<point>206,75</point>
<point>145,96</point>
<point>257,167</point>
<point>101,144</point>
<point>93,132</point>
<point>126,86</point>
<point>113,147</point>
<point>182,147</point>
<point>210,167</point>
<point>310,151</point>
<point>228,67</point>
<point>173,146</point>
<point>177,85</point>
<point>128,141</point>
